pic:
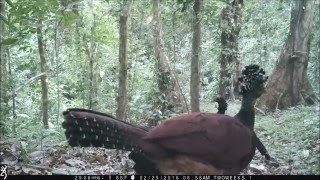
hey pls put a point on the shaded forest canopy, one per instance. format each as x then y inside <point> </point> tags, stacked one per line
<point>135,59</point>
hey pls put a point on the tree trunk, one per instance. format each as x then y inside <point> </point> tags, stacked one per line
<point>195,69</point>
<point>57,65</point>
<point>79,44</point>
<point>123,74</point>
<point>90,49</point>
<point>4,110</point>
<point>170,94</point>
<point>3,66</point>
<point>44,91</point>
<point>229,62</point>
<point>288,85</point>
<point>14,94</point>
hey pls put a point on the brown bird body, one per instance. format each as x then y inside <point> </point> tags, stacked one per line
<point>176,145</point>
<point>206,139</point>
<point>196,143</point>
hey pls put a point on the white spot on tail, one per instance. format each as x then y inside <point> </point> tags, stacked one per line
<point>84,136</point>
<point>107,139</point>
<point>115,130</point>
<point>108,128</point>
<point>124,147</point>
<point>80,129</point>
<point>113,145</point>
<point>76,122</point>
<point>103,145</point>
<point>70,136</point>
<point>94,119</point>
<point>87,123</point>
<point>91,145</point>
<point>97,125</point>
<point>85,118</point>
<point>97,137</point>
<point>101,132</point>
<point>91,130</point>
<point>132,149</point>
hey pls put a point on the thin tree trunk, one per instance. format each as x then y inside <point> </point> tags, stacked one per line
<point>171,96</point>
<point>162,74</point>
<point>44,87</point>
<point>14,94</point>
<point>90,52</point>
<point>229,62</point>
<point>289,85</point>
<point>123,74</point>
<point>3,67</point>
<point>195,69</point>
<point>91,48</point>
<point>90,58</point>
<point>79,46</point>
<point>57,62</point>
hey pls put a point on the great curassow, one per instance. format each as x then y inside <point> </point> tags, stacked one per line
<point>196,143</point>
<point>222,106</point>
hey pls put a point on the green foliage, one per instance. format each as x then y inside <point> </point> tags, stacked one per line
<point>314,56</point>
<point>292,136</point>
<point>185,4</point>
<point>9,41</point>
<point>265,26</point>
<point>264,30</point>
<point>69,18</point>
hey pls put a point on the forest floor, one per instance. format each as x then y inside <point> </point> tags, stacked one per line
<point>290,136</point>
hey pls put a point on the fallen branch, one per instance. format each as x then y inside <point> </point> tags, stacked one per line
<point>260,110</point>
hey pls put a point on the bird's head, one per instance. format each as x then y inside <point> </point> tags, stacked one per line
<point>252,81</point>
<point>221,105</point>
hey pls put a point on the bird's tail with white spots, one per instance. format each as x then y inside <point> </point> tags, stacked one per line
<point>90,128</point>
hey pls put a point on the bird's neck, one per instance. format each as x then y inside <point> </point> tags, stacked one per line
<point>246,113</point>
